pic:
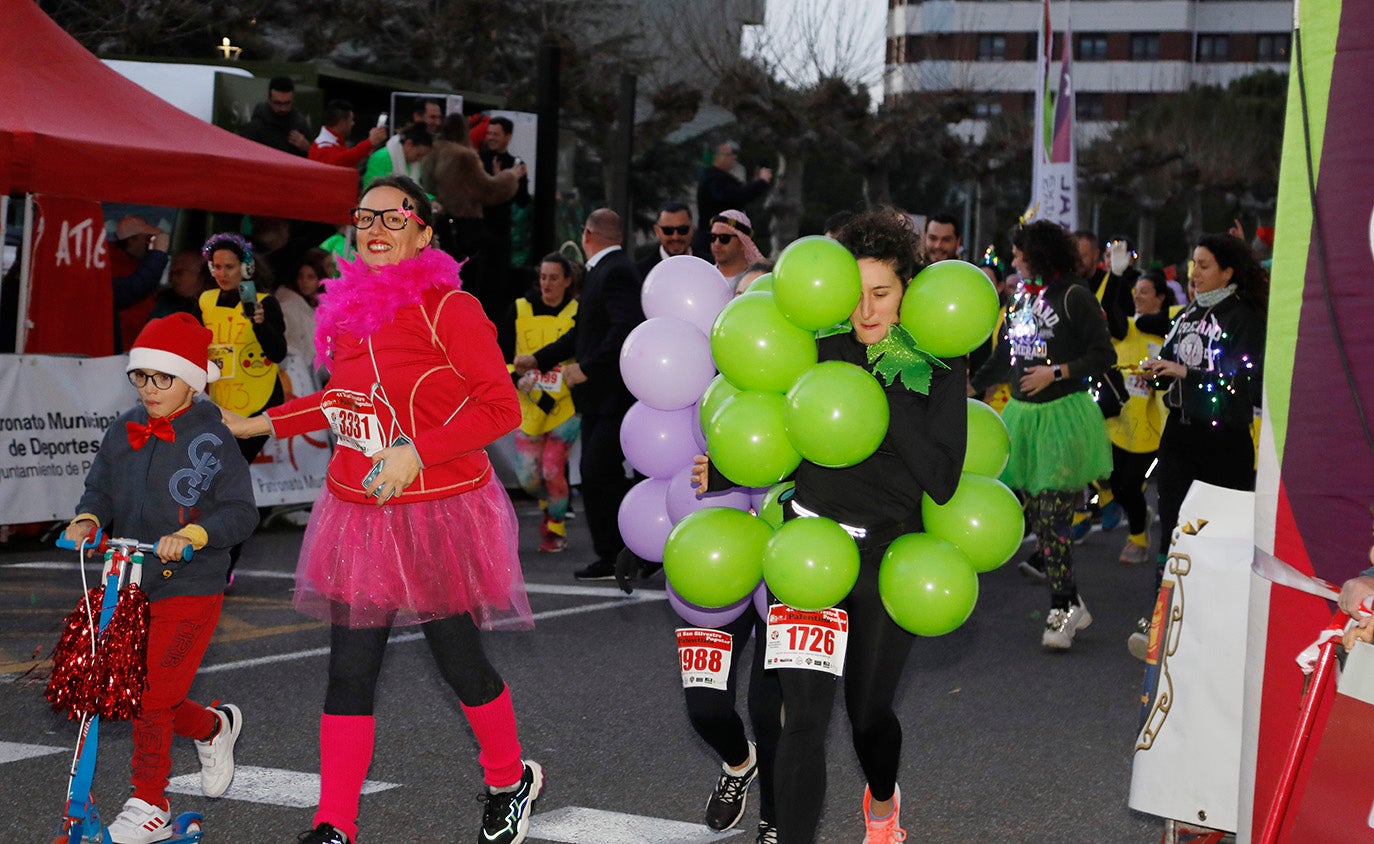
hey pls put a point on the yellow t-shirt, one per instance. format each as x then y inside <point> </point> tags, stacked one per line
<point>532,333</point>
<point>247,377</point>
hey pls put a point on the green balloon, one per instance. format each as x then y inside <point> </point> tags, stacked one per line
<point>762,284</point>
<point>714,556</point>
<point>747,441</point>
<point>756,348</point>
<point>989,445</point>
<point>713,397</point>
<point>770,510</point>
<point>811,563</point>
<point>950,308</point>
<point>983,519</point>
<point>926,584</point>
<point>816,282</point>
<point>836,414</point>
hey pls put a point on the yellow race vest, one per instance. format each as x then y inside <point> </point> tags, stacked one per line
<point>533,333</point>
<point>247,377</point>
<point>1137,429</point>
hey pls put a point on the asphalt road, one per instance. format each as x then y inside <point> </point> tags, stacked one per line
<point>1003,741</point>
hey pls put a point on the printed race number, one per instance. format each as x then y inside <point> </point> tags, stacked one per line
<point>704,656</point>
<point>810,640</point>
<point>353,419</point>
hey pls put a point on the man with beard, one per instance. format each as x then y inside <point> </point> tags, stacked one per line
<point>276,123</point>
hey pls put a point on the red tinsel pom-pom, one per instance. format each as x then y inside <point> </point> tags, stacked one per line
<point>72,659</point>
<point>121,667</point>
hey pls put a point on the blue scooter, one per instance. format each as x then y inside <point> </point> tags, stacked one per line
<point>82,823</point>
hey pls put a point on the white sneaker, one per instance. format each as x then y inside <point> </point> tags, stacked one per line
<point>1138,643</point>
<point>217,754</point>
<point>1061,625</point>
<point>140,822</point>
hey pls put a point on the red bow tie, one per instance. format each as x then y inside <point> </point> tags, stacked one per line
<point>158,426</point>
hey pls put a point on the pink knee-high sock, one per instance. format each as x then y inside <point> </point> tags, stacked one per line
<point>345,754</point>
<point>494,725</point>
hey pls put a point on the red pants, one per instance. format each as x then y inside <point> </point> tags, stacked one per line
<point>178,634</point>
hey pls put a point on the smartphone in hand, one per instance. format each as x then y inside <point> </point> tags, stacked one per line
<point>248,297</point>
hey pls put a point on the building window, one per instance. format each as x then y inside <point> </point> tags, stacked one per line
<point>1138,101</point>
<point>1272,47</point>
<point>1089,106</point>
<point>1213,48</point>
<point>1091,48</point>
<point>987,108</point>
<point>1145,47</point>
<point>992,48</point>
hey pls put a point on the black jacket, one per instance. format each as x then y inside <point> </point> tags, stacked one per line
<point>269,129</point>
<point>1223,348</point>
<point>607,312</point>
<point>716,192</point>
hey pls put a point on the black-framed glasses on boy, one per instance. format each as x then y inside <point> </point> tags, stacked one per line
<point>140,379</point>
<point>723,238</point>
<point>678,230</point>
<point>393,218</point>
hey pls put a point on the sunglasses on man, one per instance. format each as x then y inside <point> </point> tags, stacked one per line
<point>722,238</point>
<point>678,230</point>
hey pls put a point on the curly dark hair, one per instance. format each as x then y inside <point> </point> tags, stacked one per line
<point>419,200</point>
<point>1047,250</point>
<point>1252,285</point>
<point>883,234</point>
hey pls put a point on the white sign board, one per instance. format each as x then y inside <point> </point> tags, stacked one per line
<point>56,411</point>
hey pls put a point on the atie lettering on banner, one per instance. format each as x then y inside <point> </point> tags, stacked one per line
<point>68,280</point>
<point>55,415</point>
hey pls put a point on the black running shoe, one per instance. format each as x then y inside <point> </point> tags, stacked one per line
<point>768,834</point>
<point>507,816</point>
<point>323,834</point>
<point>726,805</point>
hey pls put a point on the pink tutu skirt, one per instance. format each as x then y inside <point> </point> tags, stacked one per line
<point>367,566</point>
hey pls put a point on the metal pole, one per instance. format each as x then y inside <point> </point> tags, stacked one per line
<point>622,151</point>
<point>544,236</point>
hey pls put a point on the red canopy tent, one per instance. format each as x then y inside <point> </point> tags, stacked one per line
<point>70,126</point>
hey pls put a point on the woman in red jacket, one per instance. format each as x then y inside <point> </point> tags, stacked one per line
<point>410,527</point>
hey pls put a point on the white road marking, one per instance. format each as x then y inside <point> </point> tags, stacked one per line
<point>628,600</point>
<point>13,751</point>
<point>576,825</point>
<point>273,786</point>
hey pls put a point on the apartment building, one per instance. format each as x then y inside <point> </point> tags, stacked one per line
<point>1126,53</point>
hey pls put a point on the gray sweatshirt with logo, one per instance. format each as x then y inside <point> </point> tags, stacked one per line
<point>201,478</point>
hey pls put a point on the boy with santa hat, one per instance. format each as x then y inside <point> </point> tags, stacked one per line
<point>169,469</point>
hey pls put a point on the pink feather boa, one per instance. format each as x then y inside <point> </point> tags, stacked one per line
<point>363,299</point>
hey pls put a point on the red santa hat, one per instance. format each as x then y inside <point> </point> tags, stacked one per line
<point>175,345</point>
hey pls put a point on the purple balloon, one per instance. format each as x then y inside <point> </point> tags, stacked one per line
<point>685,287</point>
<point>666,363</point>
<point>658,442</point>
<point>760,598</point>
<point>698,433</point>
<point>682,497</point>
<point>705,616</point>
<point>643,519</point>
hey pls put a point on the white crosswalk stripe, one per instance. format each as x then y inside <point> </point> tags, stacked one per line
<point>13,751</point>
<point>273,786</point>
<point>576,825</point>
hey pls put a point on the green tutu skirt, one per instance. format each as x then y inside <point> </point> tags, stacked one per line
<point>1060,444</point>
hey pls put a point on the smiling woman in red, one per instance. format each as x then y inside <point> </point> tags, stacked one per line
<point>410,527</point>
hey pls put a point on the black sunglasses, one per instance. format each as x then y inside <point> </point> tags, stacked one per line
<point>723,238</point>
<point>675,229</point>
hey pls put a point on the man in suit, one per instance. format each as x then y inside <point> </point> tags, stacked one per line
<point>609,309</point>
<point>674,232</point>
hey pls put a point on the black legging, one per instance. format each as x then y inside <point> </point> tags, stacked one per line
<point>713,716</point>
<point>355,660</point>
<point>876,654</point>
<point>1128,485</point>
<point>1189,452</point>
